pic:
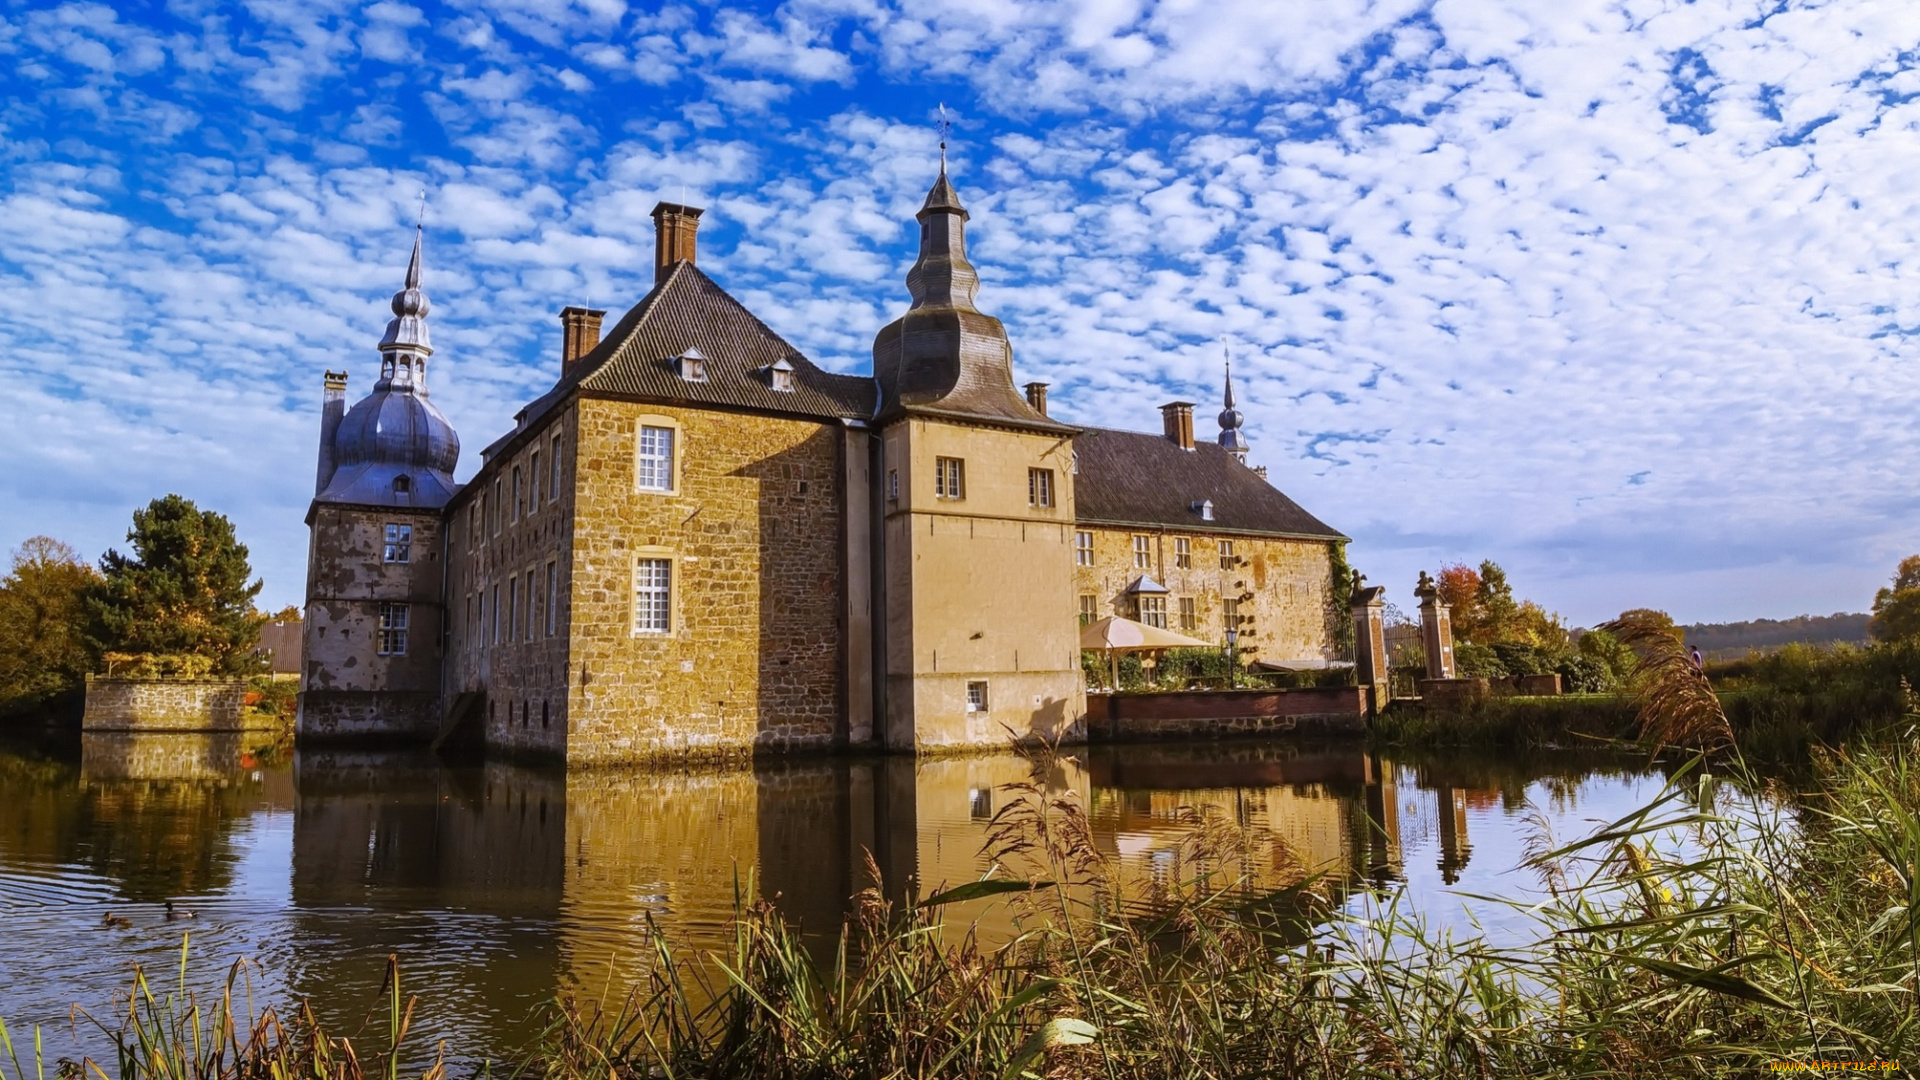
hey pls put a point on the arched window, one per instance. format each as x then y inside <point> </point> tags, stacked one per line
<point>403,485</point>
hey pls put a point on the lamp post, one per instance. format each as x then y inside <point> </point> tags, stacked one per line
<point>1233,659</point>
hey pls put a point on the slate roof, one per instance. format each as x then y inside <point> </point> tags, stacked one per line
<point>1132,478</point>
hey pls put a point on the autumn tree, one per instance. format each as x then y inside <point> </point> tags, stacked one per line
<point>1896,610</point>
<point>1459,586</point>
<point>183,592</point>
<point>43,612</point>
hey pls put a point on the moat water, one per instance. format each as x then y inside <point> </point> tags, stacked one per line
<point>499,885</point>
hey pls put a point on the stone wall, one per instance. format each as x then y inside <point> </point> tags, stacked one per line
<point>1283,586</point>
<point>1333,710</point>
<point>164,704</point>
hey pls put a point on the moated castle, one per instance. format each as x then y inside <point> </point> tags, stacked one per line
<point>698,541</point>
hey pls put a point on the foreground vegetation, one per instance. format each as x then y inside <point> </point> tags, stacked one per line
<point>1727,925</point>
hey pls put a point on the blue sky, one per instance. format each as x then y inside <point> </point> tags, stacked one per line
<point>1617,294</point>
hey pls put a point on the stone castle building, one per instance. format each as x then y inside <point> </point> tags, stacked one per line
<point>698,541</point>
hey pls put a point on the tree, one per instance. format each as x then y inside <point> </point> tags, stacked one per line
<point>1459,586</point>
<point>1896,611</point>
<point>43,612</point>
<point>182,593</point>
<point>1497,612</point>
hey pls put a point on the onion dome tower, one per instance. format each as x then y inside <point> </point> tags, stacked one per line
<point>393,448</point>
<point>1232,439</point>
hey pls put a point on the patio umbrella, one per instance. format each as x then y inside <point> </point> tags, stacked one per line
<point>1117,635</point>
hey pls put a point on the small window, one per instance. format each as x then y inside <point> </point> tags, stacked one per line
<point>1182,553</point>
<point>980,803</point>
<point>977,696</point>
<point>780,376</point>
<point>553,482</point>
<point>1189,615</point>
<point>519,496</point>
<point>493,627</point>
<point>403,485</point>
<point>533,481</point>
<point>691,365</point>
<point>553,598</point>
<point>893,485</point>
<point>1082,548</point>
<point>513,606</point>
<point>473,621</point>
<point>1153,611</point>
<point>655,461</point>
<point>1226,555</point>
<point>652,596</point>
<point>399,546</point>
<point>1230,613</point>
<point>1040,488</point>
<point>949,478</point>
<point>493,508</point>
<point>1143,552</point>
<point>1204,508</point>
<point>393,629</point>
<point>1089,608</point>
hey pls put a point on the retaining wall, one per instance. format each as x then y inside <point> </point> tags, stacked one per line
<point>164,704</point>
<point>1330,710</point>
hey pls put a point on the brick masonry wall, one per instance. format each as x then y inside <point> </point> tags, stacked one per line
<point>1336,710</point>
<point>164,704</point>
<point>1283,586</point>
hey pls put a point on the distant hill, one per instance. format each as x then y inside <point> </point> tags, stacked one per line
<point>1725,641</point>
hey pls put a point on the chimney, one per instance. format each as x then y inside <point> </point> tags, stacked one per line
<point>1178,418</point>
<point>333,407</point>
<point>579,333</point>
<point>674,226</point>
<point>1260,471</point>
<point>1037,397</point>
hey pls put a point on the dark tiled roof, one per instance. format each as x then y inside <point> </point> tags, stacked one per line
<point>1127,477</point>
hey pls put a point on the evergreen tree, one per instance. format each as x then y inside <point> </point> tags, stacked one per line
<point>43,612</point>
<point>182,593</point>
<point>1497,612</point>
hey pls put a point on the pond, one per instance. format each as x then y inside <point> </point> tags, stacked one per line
<point>499,885</point>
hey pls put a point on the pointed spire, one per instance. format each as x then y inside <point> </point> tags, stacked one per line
<point>1231,438</point>
<point>405,347</point>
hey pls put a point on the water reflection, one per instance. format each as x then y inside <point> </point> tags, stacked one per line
<point>500,884</point>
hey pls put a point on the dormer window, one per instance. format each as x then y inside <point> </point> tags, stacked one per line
<point>1204,508</point>
<point>403,485</point>
<point>780,376</point>
<point>691,366</point>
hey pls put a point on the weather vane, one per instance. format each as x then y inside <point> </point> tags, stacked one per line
<point>945,127</point>
<point>420,222</point>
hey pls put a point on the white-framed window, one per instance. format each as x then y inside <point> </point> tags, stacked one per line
<point>1153,611</point>
<point>533,481</point>
<point>399,546</point>
<point>949,478</point>
<point>1082,548</point>
<point>553,598</point>
<point>1182,553</point>
<point>393,629</point>
<point>1040,488</point>
<point>653,461</point>
<point>1189,613</point>
<point>493,627</point>
<point>1226,554</point>
<point>652,595</point>
<point>893,485</point>
<point>1089,608</point>
<point>553,482</point>
<point>494,506</point>
<point>977,696</point>
<point>519,494</point>
<point>692,365</point>
<point>513,605</point>
<point>780,376</point>
<point>1229,613</point>
<point>1142,552</point>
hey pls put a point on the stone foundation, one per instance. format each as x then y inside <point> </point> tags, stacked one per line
<point>1452,694</point>
<point>1334,710</point>
<point>164,704</point>
<point>367,716</point>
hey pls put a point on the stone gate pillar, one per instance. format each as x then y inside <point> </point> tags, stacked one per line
<point>1370,642</point>
<point>1436,629</point>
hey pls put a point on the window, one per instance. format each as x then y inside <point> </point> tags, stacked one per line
<point>949,478</point>
<point>553,482</point>
<point>980,804</point>
<point>1188,615</point>
<point>533,482</point>
<point>692,366</point>
<point>513,605</point>
<point>655,462</point>
<point>1230,613</point>
<point>893,485</point>
<point>553,599</point>
<point>652,596</point>
<point>493,628</point>
<point>977,696</point>
<point>1182,553</point>
<point>493,508</point>
<point>1089,608</point>
<point>480,626</point>
<point>1040,487</point>
<point>399,543</point>
<point>519,497</point>
<point>1226,554</point>
<point>1153,611</point>
<point>393,629</point>
<point>1082,548</point>
<point>403,485</point>
<point>780,376</point>
<point>1143,553</point>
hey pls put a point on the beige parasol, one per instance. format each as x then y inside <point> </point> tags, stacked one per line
<point>1116,635</point>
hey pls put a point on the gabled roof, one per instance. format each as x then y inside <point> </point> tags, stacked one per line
<point>1131,478</point>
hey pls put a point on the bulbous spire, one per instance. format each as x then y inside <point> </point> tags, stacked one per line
<point>406,345</point>
<point>1232,439</point>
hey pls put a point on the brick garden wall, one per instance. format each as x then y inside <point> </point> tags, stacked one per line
<point>1334,710</point>
<point>164,704</point>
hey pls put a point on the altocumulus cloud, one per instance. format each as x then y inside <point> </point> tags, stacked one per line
<point>1618,294</point>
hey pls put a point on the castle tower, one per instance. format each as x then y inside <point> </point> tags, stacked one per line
<point>1231,420</point>
<point>977,511</point>
<point>374,577</point>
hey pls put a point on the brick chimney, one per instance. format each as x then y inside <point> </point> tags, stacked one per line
<point>579,333</point>
<point>674,228</point>
<point>1037,397</point>
<point>1177,416</point>
<point>333,409</point>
